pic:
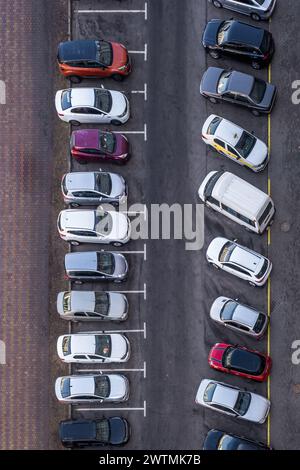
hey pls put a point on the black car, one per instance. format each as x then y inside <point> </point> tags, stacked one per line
<point>238,88</point>
<point>113,431</point>
<point>219,440</point>
<point>239,40</point>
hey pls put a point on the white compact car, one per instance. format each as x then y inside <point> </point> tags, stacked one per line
<point>92,347</point>
<point>92,388</point>
<point>234,142</point>
<point>239,261</point>
<point>233,401</point>
<point>238,317</point>
<point>79,305</point>
<point>92,106</point>
<point>92,226</point>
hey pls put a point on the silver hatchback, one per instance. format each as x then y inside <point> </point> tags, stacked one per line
<point>257,9</point>
<point>93,188</point>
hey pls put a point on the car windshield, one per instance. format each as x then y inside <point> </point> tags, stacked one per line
<point>102,386</point>
<point>242,403</point>
<point>103,345</point>
<point>107,141</point>
<point>105,263</point>
<point>66,99</point>
<point>209,392</point>
<point>226,252</point>
<point>213,125</point>
<point>66,345</point>
<point>102,303</point>
<point>67,302</point>
<point>65,387</point>
<point>227,443</point>
<point>103,183</point>
<point>103,100</point>
<point>228,310</point>
<point>260,322</point>
<point>245,144</point>
<point>223,32</point>
<point>223,82</point>
<point>102,430</point>
<point>258,90</point>
<point>103,223</point>
<point>104,53</point>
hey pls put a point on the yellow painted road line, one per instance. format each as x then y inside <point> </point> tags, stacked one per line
<point>269,279</point>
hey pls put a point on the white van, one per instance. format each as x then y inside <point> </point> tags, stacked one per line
<point>238,200</point>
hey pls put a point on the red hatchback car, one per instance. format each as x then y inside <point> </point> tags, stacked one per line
<point>92,145</point>
<point>241,361</point>
<point>88,58</point>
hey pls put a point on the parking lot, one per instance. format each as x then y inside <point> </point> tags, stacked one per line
<point>169,289</point>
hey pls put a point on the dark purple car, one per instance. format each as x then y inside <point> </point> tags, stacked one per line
<point>91,145</point>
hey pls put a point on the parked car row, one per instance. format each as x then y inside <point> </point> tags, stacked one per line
<point>242,203</point>
<point>85,223</point>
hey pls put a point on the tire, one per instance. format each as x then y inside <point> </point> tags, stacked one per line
<point>214,54</point>
<point>255,65</point>
<point>74,243</point>
<point>74,123</point>
<point>217,4</point>
<point>115,122</point>
<point>117,77</point>
<point>213,100</point>
<point>255,17</point>
<point>74,79</point>
<point>255,112</point>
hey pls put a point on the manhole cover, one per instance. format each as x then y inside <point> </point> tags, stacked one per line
<point>285,227</point>
<point>296,388</point>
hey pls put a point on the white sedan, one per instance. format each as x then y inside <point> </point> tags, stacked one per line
<point>93,347</point>
<point>92,106</point>
<point>89,226</point>
<point>233,401</point>
<point>92,388</point>
<point>239,261</point>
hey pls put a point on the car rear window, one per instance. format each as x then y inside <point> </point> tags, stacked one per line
<point>102,430</point>
<point>66,99</point>
<point>213,125</point>
<point>265,213</point>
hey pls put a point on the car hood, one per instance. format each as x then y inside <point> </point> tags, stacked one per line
<point>210,33</point>
<point>118,386</point>
<point>269,96</point>
<point>121,266</point>
<point>210,80</point>
<point>201,390</point>
<point>212,439</point>
<point>258,409</point>
<point>120,226</point>
<point>118,305</point>
<point>118,430</point>
<point>120,55</point>
<point>258,153</point>
<point>119,103</point>
<point>122,145</point>
<point>59,303</point>
<point>58,102</point>
<point>217,351</point>
<point>215,247</point>
<point>119,346</point>
<point>118,185</point>
<point>216,307</point>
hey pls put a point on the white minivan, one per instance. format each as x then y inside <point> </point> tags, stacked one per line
<point>238,200</point>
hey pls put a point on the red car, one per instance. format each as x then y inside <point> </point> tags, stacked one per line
<point>92,145</point>
<point>241,361</point>
<point>88,58</point>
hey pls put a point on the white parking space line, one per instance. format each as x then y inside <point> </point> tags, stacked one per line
<point>131,252</point>
<point>145,11</point>
<point>141,92</point>
<point>2,353</point>
<point>124,408</point>
<point>103,371</point>
<point>144,132</point>
<point>144,52</point>
<point>138,330</point>
<point>144,292</point>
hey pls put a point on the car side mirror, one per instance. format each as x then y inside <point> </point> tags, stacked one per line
<point>235,240</point>
<point>101,86</point>
<point>252,132</point>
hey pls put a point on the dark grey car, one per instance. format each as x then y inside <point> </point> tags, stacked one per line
<point>257,9</point>
<point>239,88</point>
<point>96,266</point>
<point>93,188</point>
